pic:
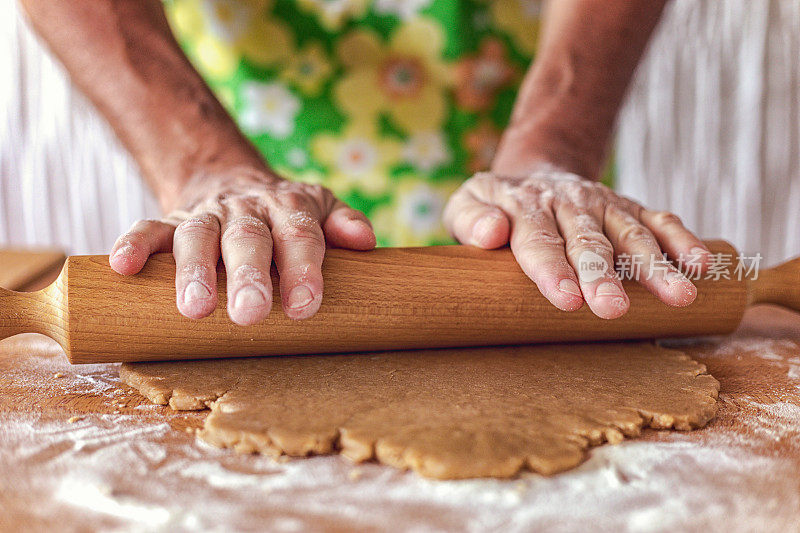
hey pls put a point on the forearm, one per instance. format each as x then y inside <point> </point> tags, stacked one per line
<point>568,103</point>
<point>122,55</point>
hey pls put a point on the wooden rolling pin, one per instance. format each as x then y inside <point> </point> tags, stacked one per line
<point>408,298</point>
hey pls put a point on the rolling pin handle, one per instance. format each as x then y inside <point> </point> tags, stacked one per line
<point>779,285</point>
<point>18,313</point>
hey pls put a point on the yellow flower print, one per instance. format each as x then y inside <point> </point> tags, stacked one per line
<point>427,150</point>
<point>406,79</point>
<point>223,31</point>
<point>520,19</point>
<point>414,218</point>
<point>214,59</point>
<point>308,69</point>
<point>357,159</point>
<point>267,41</point>
<point>227,20</point>
<point>333,14</point>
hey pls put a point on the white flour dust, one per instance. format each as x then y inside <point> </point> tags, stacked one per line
<point>119,470</point>
<point>135,472</point>
<point>772,350</point>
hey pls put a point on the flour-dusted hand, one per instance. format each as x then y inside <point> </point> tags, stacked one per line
<point>249,218</point>
<point>565,232</point>
<point>220,196</point>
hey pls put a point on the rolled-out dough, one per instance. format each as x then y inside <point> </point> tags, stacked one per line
<point>458,413</point>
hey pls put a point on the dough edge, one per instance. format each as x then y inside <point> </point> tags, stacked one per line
<point>357,450</point>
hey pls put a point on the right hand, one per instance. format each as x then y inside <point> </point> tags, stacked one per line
<point>249,218</point>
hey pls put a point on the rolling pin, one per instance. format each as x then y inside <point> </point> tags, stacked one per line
<point>386,299</point>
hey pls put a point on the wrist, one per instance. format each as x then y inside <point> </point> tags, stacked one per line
<point>525,147</point>
<point>201,161</point>
<point>557,119</point>
<point>545,136</point>
<point>184,134</point>
<point>214,178</point>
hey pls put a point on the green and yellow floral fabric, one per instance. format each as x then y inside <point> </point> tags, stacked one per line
<point>390,103</point>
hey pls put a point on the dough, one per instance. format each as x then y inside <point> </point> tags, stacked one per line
<point>456,413</point>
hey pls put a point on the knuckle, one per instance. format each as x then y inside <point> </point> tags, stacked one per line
<point>537,217</point>
<point>140,232</point>
<point>293,200</point>
<point>147,225</point>
<point>585,223</point>
<point>302,272</point>
<point>238,203</point>
<point>593,241</point>
<point>573,189</point>
<point>198,227</point>
<point>195,270</point>
<point>314,189</point>
<point>456,204</point>
<point>459,196</point>
<point>250,274</point>
<point>136,238</point>
<point>529,198</point>
<point>483,185</point>
<point>301,220</point>
<point>666,219</point>
<point>245,227</point>
<point>627,205</point>
<point>632,235</point>
<point>355,215</point>
<point>541,237</point>
<point>481,181</point>
<point>300,226</point>
<point>481,178</point>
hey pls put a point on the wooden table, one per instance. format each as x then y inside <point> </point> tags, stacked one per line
<point>80,451</point>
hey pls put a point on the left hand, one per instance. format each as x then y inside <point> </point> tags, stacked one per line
<point>552,217</point>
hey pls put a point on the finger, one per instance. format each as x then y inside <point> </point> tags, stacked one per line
<point>196,250</point>
<point>131,250</point>
<point>592,257</point>
<point>679,243</point>
<point>472,221</point>
<point>644,260</point>
<point>299,251</point>
<point>539,250</point>
<point>247,253</point>
<point>348,228</point>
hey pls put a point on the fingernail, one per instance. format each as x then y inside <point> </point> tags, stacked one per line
<point>608,289</point>
<point>195,291</point>
<point>569,286</point>
<point>482,228</point>
<point>674,276</point>
<point>299,297</point>
<point>247,297</point>
<point>619,303</point>
<point>698,252</point>
<point>356,222</point>
<point>122,251</point>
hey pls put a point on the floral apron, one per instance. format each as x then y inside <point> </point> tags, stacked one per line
<point>389,103</point>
